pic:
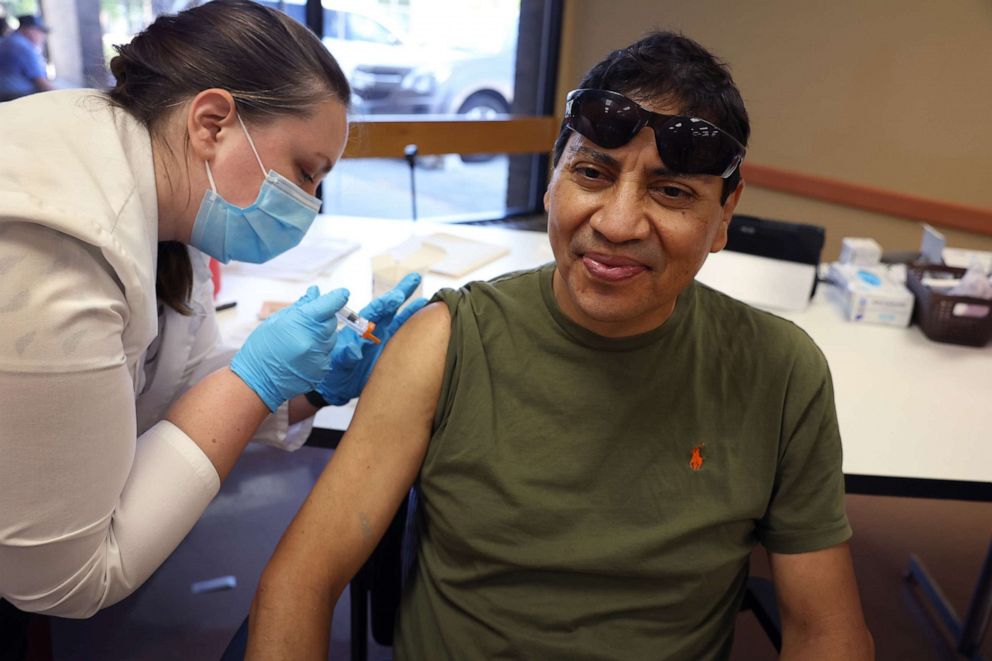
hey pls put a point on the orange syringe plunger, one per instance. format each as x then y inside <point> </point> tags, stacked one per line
<point>363,327</point>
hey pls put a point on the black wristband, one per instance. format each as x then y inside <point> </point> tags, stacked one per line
<point>316,399</point>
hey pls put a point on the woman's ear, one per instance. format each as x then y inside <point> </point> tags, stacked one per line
<point>211,117</point>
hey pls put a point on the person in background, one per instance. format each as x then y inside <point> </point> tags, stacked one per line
<point>22,66</point>
<point>597,444</point>
<point>120,410</point>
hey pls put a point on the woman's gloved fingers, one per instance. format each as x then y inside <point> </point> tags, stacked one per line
<point>382,309</point>
<point>408,312</point>
<point>353,357</point>
<point>288,354</point>
<point>322,308</point>
<point>408,284</point>
<point>313,291</point>
<point>347,352</point>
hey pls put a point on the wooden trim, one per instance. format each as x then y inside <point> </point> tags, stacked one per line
<point>440,134</point>
<point>936,212</point>
<point>386,137</point>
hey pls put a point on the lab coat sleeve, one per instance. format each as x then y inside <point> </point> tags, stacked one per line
<point>89,509</point>
<point>209,353</point>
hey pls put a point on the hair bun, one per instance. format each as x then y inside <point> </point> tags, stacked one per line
<point>118,66</point>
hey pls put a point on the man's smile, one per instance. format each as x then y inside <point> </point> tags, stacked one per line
<point>612,268</point>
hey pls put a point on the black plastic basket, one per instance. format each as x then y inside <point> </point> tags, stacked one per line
<point>934,312</point>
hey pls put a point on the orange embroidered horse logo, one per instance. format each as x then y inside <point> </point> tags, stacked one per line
<point>696,461</point>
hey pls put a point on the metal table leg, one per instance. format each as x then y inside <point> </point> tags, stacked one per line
<point>969,632</point>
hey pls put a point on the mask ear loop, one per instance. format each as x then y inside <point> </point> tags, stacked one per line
<point>210,177</point>
<point>251,143</point>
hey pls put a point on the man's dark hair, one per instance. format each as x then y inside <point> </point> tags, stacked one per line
<point>669,68</point>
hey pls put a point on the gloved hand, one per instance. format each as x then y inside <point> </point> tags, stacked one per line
<point>353,357</point>
<point>288,353</point>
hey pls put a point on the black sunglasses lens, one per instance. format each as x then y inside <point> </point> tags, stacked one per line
<point>687,145</point>
<point>603,120</point>
<point>695,147</point>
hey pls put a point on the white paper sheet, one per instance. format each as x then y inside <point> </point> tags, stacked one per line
<point>767,283</point>
<point>462,255</point>
<point>302,263</point>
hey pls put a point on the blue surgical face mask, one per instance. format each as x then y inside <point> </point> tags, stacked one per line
<point>280,216</point>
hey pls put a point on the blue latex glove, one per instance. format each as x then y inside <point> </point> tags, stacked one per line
<point>353,357</point>
<point>288,353</point>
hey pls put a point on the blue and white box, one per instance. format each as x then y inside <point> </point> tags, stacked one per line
<point>869,294</point>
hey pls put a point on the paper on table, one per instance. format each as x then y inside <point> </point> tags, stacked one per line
<point>761,281</point>
<point>302,263</point>
<point>411,256</point>
<point>441,253</point>
<point>462,255</point>
<point>961,258</point>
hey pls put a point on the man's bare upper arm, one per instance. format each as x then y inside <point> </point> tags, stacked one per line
<point>379,457</point>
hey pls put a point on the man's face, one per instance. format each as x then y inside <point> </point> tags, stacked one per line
<point>627,234</point>
<point>35,36</point>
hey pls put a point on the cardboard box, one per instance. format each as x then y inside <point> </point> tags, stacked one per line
<point>867,294</point>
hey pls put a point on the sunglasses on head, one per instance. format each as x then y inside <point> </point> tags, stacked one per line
<point>686,145</point>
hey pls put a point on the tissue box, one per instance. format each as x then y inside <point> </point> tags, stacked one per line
<point>867,294</point>
<point>861,252</point>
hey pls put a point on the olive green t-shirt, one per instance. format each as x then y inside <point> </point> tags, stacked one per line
<point>592,498</point>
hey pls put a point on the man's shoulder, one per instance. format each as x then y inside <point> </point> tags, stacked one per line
<point>716,303</point>
<point>511,281</point>
<point>423,337</point>
<point>508,285</point>
<point>18,44</point>
<point>730,319</point>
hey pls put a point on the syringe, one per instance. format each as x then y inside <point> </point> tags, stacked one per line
<point>363,327</point>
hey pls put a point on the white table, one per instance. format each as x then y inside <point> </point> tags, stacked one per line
<point>915,415</point>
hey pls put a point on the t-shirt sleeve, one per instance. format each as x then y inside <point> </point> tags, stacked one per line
<point>34,66</point>
<point>29,62</point>
<point>806,510</point>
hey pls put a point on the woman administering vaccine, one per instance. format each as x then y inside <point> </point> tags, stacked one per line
<point>120,414</point>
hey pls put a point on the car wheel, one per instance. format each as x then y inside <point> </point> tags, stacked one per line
<point>482,105</point>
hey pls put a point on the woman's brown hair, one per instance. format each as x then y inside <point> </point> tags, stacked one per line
<point>271,65</point>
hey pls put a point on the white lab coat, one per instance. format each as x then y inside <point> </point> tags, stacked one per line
<point>95,490</point>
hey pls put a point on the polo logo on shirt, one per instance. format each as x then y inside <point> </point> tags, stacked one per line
<point>696,460</point>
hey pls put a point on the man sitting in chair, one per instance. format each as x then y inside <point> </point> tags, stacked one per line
<point>600,442</point>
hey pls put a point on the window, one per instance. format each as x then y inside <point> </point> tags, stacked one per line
<point>411,57</point>
<point>295,10</point>
<point>455,58</point>
<point>361,28</point>
<point>332,24</point>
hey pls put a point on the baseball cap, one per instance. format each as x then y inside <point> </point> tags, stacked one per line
<point>29,21</point>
